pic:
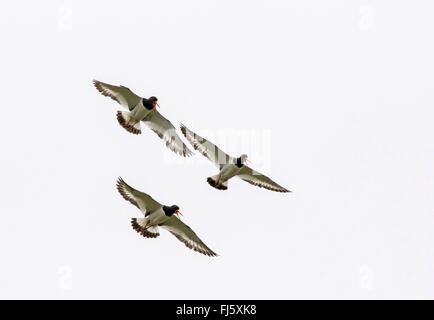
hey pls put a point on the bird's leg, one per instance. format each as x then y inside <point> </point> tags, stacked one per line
<point>146,227</point>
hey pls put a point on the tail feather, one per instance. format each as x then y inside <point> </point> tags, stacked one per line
<point>139,224</point>
<point>124,119</point>
<point>213,182</point>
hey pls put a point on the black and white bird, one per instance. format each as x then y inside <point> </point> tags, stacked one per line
<point>142,109</point>
<point>229,166</point>
<point>158,215</point>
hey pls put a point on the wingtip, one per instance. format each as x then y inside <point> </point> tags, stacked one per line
<point>209,253</point>
<point>183,129</point>
<point>119,182</point>
<point>97,85</point>
<point>122,186</point>
<point>187,153</point>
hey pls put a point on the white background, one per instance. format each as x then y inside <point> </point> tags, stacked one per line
<point>331,99</point>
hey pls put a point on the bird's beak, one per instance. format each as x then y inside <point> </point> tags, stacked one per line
<point>157,105</point>
<point>178,213</point>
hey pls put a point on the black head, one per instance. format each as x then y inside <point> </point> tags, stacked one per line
<point>153,99</point>
<point>150,103</point>
<point>169,211</point>
<point>242,160</point>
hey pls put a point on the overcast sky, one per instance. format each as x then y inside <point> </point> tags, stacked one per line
<point>331,99</point>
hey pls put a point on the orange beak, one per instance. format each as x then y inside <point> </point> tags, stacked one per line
<point>178,213</point>
<point>156,105</point>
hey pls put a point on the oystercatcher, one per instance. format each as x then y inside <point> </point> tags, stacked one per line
<point>158,215</point>
<point>142,109</point>
<point>228,166</point>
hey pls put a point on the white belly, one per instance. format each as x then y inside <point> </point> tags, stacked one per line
<point>157,217</point>
<point>139,112</point>
<point>228,171</point>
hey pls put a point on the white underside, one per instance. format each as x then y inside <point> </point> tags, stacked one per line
<point>228,171</point>
<point>157,217</point>
<point>139,112</point>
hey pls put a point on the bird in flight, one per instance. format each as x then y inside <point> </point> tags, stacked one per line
<point>229,166</point>
<point>158,215</point>
<point>142,109</point>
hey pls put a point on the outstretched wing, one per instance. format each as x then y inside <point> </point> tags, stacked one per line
<point>166,131</point>
<point>121,94</point>
<point>208,149</point>
<point>140,199</point>
<point>184,234</point>
<point>253,177</point>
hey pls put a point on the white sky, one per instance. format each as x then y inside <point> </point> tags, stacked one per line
<point>331,99</point>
